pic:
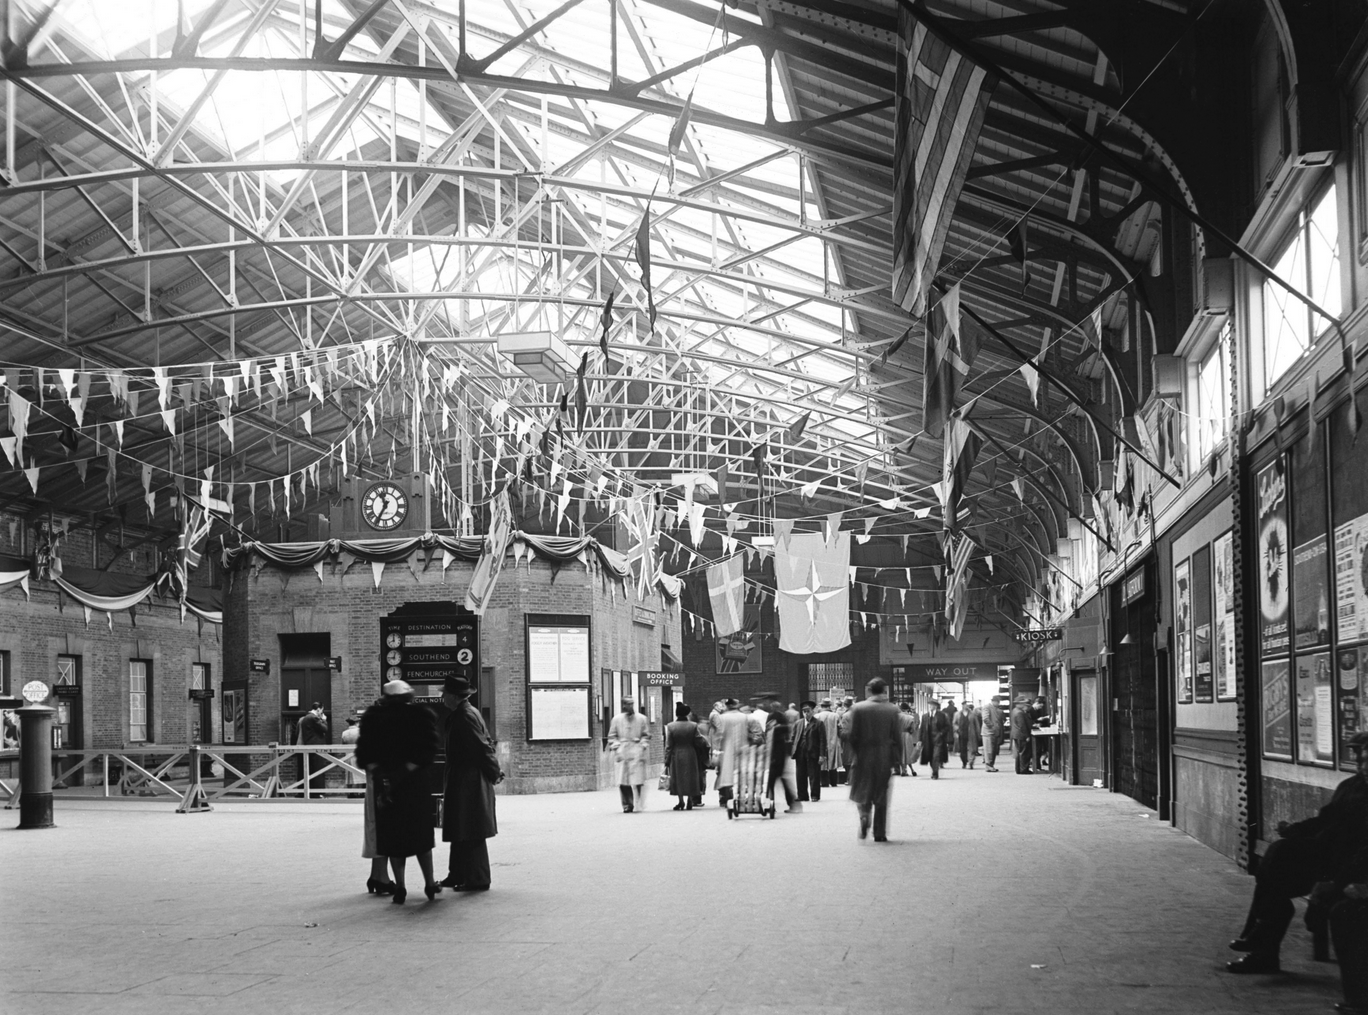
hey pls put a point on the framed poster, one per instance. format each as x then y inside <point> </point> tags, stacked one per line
<point>1351,558</point>
<point>558,713</point>
<point>234,715</point>
<point>1202,669</point>
<point>1223,620</point>
<point>1182,625</point>
<point>1272,550</point>
<point>1311,593</point>
<point>1351,689</point>
<point>1315,716</point>
<point>558,654</point>
<point>740,652</point>
<point>1275,688</point>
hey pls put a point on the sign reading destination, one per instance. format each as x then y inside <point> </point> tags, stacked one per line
<point>427,643</point>
<point>35,691</point>
<point>1036,637</point>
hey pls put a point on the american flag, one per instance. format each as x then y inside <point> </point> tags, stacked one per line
<point>941,100</point>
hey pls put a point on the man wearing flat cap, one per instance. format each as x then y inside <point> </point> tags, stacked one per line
<point>472,772</point>
<point>1322,848</point>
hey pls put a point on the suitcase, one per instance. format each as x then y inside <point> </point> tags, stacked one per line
<point>748,791</point>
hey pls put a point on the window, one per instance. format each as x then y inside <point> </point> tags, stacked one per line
<point>139,700</point>
<point>199,676</point>
<point>6,690</point>
<point>1213,397</point>
<point>1311,263</point>
<point>69,670</point>
<point>830,679</point>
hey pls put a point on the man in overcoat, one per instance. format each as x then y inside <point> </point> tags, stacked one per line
<point>1022,721</point>
<point>472,772</point>
<point>627,739</point>
<point>935,731</point>
<point>992,732</point>
<point>875,742</point>
<point>809,748</point>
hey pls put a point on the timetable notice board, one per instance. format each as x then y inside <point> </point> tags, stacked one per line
<point>558,683</point>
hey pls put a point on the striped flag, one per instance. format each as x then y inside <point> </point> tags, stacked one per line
<point>941,101</point>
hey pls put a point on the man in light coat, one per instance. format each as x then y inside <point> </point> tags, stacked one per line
<point>627,739</point>
<point>831,758</point>
<point>733,734</point>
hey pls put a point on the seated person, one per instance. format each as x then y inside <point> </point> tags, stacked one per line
<point>1321,848</point>
<point>1349,931</point>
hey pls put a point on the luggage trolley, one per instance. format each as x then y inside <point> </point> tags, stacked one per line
<point>751,777</point>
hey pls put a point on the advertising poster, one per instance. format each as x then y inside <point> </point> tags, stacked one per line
<point>1182,585</point>
<point>1271,505</point>
<point>1201,651</point>
<point>1315,721</point>
<point>1351,606</point>
<point>1350,689</point>
<point>1223,623</point>
<point>1311,593</point>
<point>739,652</point>
<point>1277,710</point>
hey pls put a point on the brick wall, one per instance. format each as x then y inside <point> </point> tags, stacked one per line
<point>261,604</point>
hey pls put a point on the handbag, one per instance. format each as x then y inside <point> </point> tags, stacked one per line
<point>663,783</point>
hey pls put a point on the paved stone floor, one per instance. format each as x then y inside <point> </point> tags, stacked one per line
<point>998,893</point>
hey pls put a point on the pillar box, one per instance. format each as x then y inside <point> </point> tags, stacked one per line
<point>35,766</point>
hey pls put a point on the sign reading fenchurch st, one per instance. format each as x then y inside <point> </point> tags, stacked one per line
<point>930,672</point>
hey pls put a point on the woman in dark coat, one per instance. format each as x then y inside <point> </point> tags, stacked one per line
<point>397,746</point>
<point>684,747</point>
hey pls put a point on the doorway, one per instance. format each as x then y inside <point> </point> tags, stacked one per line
<point>1088,762</point>
<point>67,731</point>
<point>305,678</point>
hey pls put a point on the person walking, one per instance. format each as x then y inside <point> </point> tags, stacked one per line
<point>935,731</point>
<point>778,736</point>
<point>1021,735</point>
<point>969,741</point>
<point>686,753</point>
<point>910,731</point>
<point>831,756</point>
<point>992,732</point>
<point>472,772</point>
<point>627,740</point>
<point>809,747</point>
<point>733,734</point>
<point>875,742</point>
<point>951,741</point>
<point>397,746</point>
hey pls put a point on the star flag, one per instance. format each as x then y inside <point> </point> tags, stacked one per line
<point>727,593</point>
<point>812,577</point>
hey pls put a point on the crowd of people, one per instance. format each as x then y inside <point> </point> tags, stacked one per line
<point>812,746</point>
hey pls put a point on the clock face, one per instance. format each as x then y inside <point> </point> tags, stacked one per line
<point>384,506</point>
<point>394,657</point>
<point>394,640</point>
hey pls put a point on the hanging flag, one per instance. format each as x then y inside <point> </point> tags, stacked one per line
<point>945,367</point>
<point>606,324</point>
<point>941,100</point>
<point>1019,245</point>
<point>643,260</point>
<point>795,430</point>
<point>726,592</point>
<point>581,394</point>
<point>681,124</point>
<point>812,581</point>
<point>961,451</point>
<point>722,483</point>
<point>898,343</point>
<point>487,569</point>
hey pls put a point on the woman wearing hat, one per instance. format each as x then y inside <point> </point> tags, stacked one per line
<point>686,755</point>
<point>397,745</point>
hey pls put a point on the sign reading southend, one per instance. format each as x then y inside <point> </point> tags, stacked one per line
<point>951,672</point>
<point>1044,634</point>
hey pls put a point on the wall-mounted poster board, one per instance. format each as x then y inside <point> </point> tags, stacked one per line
<point>1182,627</point>
<point>1224,621</point>
<point>558,713</point>
<point>1272,554</point>
<point>559,689</point>
<point>1277,710</point>
<point>1202,668</point>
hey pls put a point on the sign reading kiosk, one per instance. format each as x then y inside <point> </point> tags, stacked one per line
<point>558,685</point>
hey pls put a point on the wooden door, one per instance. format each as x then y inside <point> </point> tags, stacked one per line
<point>1088,761</point>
